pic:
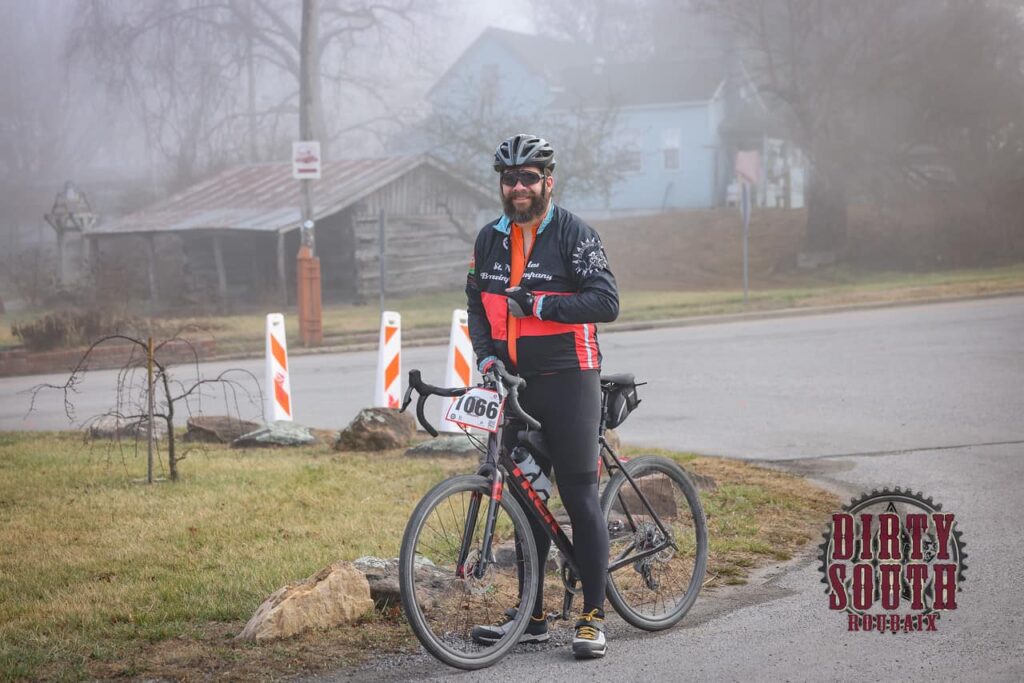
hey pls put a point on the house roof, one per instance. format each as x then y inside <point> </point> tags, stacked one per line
<point>651,83</point>
<point>543,55</point>
<point>265,197</point>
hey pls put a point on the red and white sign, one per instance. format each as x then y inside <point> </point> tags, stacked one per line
<point>306,160</point>
<point>459,370</point>
<point>748,166</point>
<point>388,392</point>
<point>278,388</point>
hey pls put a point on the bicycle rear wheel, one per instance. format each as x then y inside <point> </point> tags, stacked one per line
<point>653,592</point>
<point>442,601</point>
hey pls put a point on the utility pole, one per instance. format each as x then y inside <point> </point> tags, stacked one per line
<point>308,266</point>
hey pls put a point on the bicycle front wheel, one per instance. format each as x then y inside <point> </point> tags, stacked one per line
<point>657,550</point>
<point>450,583</point>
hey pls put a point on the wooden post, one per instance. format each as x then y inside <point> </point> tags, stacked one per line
<point>382,254</point>
<point>307,265</point>
<point>88,249</point>
<point>310,315</point>
<point>154,290</point>
<point>149,424</point>
<point>60,258</point>
<point>222,278</point>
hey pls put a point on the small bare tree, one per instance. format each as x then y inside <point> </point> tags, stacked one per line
<point>146,389</point>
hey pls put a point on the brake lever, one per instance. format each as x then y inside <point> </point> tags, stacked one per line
<point>422,417</point>
<point>514,383</point>
<point>407,400</point>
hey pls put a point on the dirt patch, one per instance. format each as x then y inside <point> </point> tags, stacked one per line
<point>213,654</point>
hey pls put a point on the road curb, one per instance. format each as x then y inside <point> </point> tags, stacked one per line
<point>635,326</point>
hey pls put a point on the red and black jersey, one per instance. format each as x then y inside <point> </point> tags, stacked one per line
<point>567,271</point>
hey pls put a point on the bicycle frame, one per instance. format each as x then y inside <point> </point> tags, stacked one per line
<point>522,490</point>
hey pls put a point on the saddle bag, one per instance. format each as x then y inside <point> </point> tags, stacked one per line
<point>622,399</point>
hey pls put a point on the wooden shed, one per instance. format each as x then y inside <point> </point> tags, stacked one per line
<point>233,237</point>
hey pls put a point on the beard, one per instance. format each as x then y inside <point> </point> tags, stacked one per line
<point>538,205</point>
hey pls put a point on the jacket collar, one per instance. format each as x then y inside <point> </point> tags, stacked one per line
<point>504,225</point>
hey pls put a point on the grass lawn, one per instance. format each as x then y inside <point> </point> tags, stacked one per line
<point>102,576</point>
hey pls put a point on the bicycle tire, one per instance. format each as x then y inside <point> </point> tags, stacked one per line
<point>656,592</point>
<point>441,607</point>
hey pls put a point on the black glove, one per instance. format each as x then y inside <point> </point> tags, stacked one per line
<point>520,302</point>
<point>490,362</point>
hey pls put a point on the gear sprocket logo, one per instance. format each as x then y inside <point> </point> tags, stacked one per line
<point>893,561</point>
<point>589,257</point>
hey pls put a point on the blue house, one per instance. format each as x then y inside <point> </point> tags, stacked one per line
<point>663,135</point>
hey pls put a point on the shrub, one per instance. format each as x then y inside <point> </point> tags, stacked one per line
<point>68,329</point>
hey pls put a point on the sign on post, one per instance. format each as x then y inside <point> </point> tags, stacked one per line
<point>306,160</point>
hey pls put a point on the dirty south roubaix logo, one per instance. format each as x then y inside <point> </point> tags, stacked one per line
<point>893,560</point>
<point>589,257</point>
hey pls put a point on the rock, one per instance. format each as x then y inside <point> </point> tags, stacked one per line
<point>277,433</point>
<point>450,446</point>
<point>338,594</point>
<point>382,576</point>
<point>326,437</point>
<point>377,429</point>
<point>115,427</point>
<point>613,440</point>
<point>217,428</point>
<point>702,481</point>
<point>505,554</point>
<point>658,490</point>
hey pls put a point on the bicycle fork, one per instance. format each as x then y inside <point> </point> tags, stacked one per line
<point>479,569</point>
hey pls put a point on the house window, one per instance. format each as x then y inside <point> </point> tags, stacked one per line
<point>630,150</point>
<point>670,148</point>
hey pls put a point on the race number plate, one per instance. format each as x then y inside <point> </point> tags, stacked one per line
<point>478,407</point>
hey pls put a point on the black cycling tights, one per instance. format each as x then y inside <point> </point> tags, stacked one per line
<point>568,404</point>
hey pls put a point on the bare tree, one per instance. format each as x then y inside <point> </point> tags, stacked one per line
<point>619,29</point>
<point>852,81</point>
<point>190,70</point>
<point>592,153</point>
<point>44,117</point>
<point>132,391</point>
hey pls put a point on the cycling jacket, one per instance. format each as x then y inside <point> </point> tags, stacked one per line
<point>567,271</point>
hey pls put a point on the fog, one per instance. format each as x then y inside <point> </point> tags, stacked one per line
<point>914,107</point>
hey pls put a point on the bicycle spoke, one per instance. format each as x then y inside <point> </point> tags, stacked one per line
<point>656,545</point>
<point>447,606</point>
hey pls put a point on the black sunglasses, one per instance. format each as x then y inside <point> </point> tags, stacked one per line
<point>527,178</point>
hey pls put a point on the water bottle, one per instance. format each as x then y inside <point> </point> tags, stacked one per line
<point>532,471</point>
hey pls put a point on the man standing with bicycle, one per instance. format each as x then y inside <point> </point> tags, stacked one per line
<point>538,283</point>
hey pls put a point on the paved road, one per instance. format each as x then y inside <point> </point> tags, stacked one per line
<point>930,397</point>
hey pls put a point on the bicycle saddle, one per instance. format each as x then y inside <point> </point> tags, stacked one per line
<point>624,379</point>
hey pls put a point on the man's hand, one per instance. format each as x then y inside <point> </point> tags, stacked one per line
<point>490,362</point>
<point>520,302</point>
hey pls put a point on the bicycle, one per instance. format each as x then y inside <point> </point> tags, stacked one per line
<point>467,545</point>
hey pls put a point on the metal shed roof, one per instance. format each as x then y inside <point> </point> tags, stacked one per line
<point>265,197</point>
